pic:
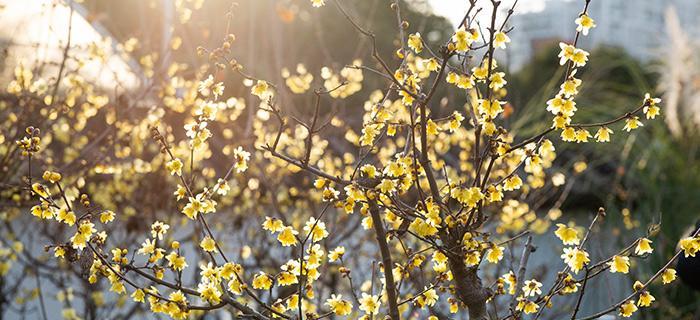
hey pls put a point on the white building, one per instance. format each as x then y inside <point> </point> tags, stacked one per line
<point>35,33</point>
<point>638,26</point>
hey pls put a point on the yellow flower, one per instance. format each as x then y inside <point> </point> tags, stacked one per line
<point>568,134</point>
<point>208,244</point>
<point>584,23</point>
<point>431,64</point>
<point>490,108</point>
<point>454,306</point>
<point>512,183</point>
<point>286,278</point>
<point>369,170</point>
<point>643,247</point>
<point>570,87</point>
<point>205,84</point>
<point>497,80</point>
<point>272,224</point>
<point>415,42</point>
<point>422,228</point>
<point>318,3</point>
<point>158,229</point>
<point>648,100</point>
<point>603,134</point>
<point>463,38</point>
<point>573,54</point>
<point>510,279</point>
<point>138,295</point>
<point>472,258</point>
<point>193,207</point>
<point>180,193</point>
<point>530,307</point>
<point>339,306</point>
<point>229,270</point>
<point>627,309</point>
<point>651,110</point>
<point>560,122</point>
<point>242,158</point>
<point>568,235</point>
<point>320,183</point>
<point>465,82</point>
<point>59,252</point>
<point>570,285</point>
<point>468,197</point>
<point>387,186</point>
<point>632,123</point>
<point>452,77</point>
<point>85,231</point>
<point>668,276</point>
<point>690,246</point>
<point>106,216</point>
<point>495,193</point>
<point>174,166</point>
<point>568,107</point>
<point>336,254</point>
<point>575,258</point>
<point>431,127</point>
<point>369,304</point>
<point>262,281</point>
<point>428,298</point>
<point>645,299</point>
<point>456,121</point>
<point>176,261</point>
<point>235,286</point>
<point>260,89</point>
<point>495,254</point>
<point>42,211</point>
<point>395,169</point>
<point>287,237</point>
<point>579,58</point>
<point>531,288</point>
<point>500,39</point>
<point>222,187</point>
<point>40,190</point>
<point>566,53</point>
<point>210,292</point>
<point>526,306</point>
<point>582,135</point>
<point>330,194</point>
<point>316,228</point>
<point>147,247</point>
<point>554,105</point>
<point>619,264</point>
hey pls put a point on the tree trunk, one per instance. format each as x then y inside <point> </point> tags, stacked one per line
<point>468,288</point>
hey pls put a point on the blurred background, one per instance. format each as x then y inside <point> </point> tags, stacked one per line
<point>651,46</point>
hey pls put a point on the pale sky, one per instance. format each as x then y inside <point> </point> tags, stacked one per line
<point>454,10</point>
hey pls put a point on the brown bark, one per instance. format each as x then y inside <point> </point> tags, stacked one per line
<point>468,288</point>
<point>386,260</point>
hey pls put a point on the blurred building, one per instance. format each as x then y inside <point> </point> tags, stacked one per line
<point>637,26</point>
<point>34,33</point>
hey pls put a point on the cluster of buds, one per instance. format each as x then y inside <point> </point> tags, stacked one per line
<point>218,55</point>
<point>51,176</point>
<point>31,141</point>
<point>85,200</point>
<point>155,135</point>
